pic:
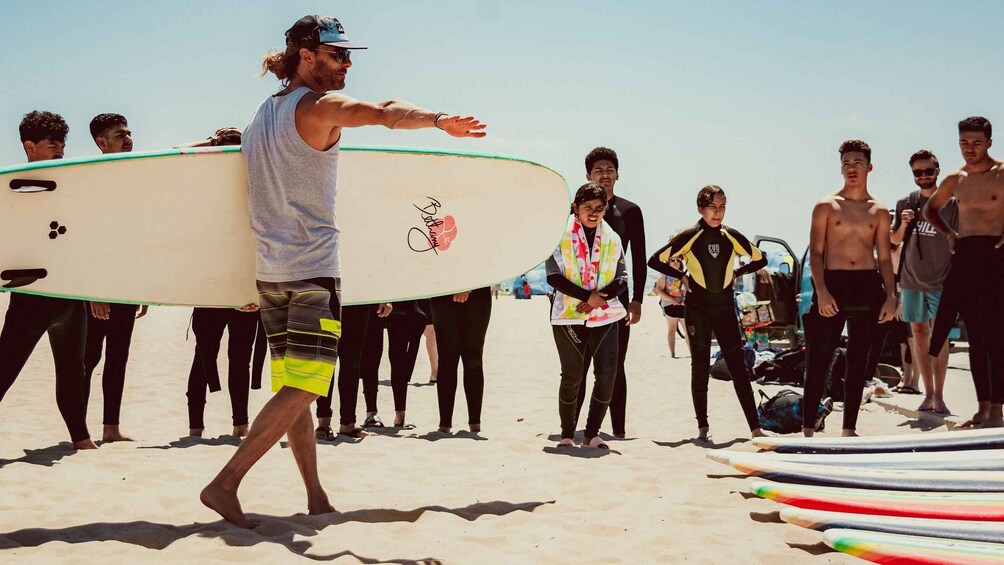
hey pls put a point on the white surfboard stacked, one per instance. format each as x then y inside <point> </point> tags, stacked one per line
<point>922,498</point>
<point>172,227</point>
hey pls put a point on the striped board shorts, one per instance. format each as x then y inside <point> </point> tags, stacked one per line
<point>302,320</point>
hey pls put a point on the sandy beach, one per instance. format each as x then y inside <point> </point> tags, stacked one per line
<point>410,497</point>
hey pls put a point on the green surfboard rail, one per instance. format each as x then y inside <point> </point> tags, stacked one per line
<point>195,151</point>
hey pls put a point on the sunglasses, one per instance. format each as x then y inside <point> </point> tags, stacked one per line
<point>341,56</point>
<point>917,173</point>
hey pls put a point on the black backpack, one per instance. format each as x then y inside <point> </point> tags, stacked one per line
<point>782,413</point>
<point>786,368</point>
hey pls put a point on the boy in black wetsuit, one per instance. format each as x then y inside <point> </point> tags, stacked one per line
<point>625,217</point>
<point>43,135</point>
<point>849,229</point>
<point>709,250</point>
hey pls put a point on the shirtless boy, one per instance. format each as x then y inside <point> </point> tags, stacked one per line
<point>977,264</point>
<point>849,228</point>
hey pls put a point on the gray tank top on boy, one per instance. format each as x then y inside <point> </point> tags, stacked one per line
<point>291,195</point>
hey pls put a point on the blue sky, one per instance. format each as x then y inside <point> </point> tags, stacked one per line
<point>753,96</point>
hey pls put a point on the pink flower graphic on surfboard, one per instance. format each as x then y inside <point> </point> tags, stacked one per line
<point>444,232</point>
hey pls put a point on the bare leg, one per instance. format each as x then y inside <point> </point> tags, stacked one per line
<point>304,448</point>
<point>848,433</point>
<point>919,345</point>
<point>276,417</point>
<point>703,433</point>
<point>686,337</point>
<point>112,433</point>
<point>671,336</point>
<point>240,431</point>
<point>940,370</point>
<point>398,418</point>
<point>909,369</point>
<point>430,347</point>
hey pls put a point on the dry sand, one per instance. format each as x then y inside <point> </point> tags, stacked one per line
<point>404,498</point>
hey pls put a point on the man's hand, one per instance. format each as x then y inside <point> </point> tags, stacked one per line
<point>461,127</point>
<point>384,310</point>
<point>101,310</point>
<point>141,311</point>
<point>461,297</point>
<point>907,216</point>
<point>633,312</point>
<point>250,307</point>
<point>827,304</point>
<point>888,311</point>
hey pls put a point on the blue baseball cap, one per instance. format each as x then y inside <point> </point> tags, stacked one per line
<point>310,31</point>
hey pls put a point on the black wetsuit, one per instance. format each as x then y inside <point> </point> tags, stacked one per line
<point>208,325</point>
<point>859,296</point>
<point>626,219</point>
<point>972,289</point>
<point>404,326</point>
<point>710,254</point>
<point>461,328</point>
<point>28,318</point>
<point>115,335</point>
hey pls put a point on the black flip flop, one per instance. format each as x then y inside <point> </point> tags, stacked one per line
<point>373,422</point>
<point>906,390</point>
<point>324,433</point>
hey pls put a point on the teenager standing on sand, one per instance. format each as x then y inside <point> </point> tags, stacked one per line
<point>291,152</point>
<point>587,272</point>
<point>973,284</point>
<point>709,250</point>
<point>43,135</point>
<point>849,230</point>
<point>625,217</point>
<point>110,325</point>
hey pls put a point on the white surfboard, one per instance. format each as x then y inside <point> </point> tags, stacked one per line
<point>975,460</point>
<point>970,530</point>
<point>172,227</point>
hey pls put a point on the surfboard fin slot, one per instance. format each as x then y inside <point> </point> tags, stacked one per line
<point>32,185</point>
<point>22,277</point>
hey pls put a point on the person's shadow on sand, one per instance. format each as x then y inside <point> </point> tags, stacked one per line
<point>705,443</point>
<point>47,456</point>
<point>192,441</point>
<point>276,530</point>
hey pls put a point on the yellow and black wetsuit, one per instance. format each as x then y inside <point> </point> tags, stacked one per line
<point>710,254</point>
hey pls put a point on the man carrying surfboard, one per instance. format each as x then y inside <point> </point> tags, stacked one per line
<point>110,325</point>
<point>43,135</point>
<point>973,284</point>
<point>849,228</point>
<point>291,152</point>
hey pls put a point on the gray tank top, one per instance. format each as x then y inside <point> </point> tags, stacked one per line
<point>291,195</point>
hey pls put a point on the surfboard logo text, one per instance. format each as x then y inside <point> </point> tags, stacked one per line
<point>437,234</point>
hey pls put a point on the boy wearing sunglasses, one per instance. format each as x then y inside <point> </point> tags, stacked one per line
<point>924,264</point>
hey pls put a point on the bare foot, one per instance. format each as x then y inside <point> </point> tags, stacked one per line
<point>475,428</point>
<point>849,433</point>
<point>85,444</point>
<point>704,434</point>
<point>941,408</point>
<point>928,405</point>
<point>758,433</point>
<point>808,432</point>
<point>566,442</point>
<point>240,431</point>
<point>195,432</point>
<point>595,442</point>
<point>112,433</point>
<point>226,505</point>
<point>318,504</point>
<point>443,430</point>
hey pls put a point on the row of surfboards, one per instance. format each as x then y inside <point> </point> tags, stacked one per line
<point>921,498</point>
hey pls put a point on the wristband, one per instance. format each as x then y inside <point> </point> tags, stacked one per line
<point>435,121</point>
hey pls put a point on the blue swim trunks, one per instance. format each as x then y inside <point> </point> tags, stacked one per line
<point>920,306</point>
